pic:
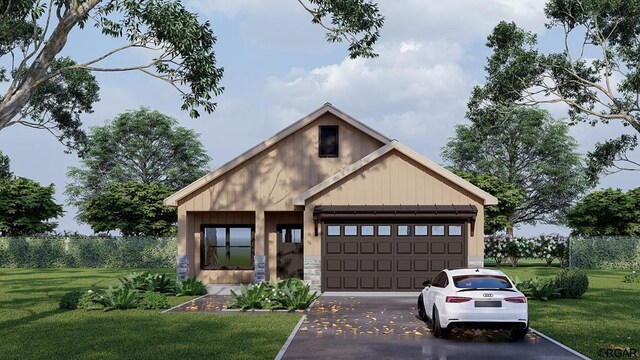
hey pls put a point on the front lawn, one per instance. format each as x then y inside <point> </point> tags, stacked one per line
<point>32,326</point>
<point>607,316</point>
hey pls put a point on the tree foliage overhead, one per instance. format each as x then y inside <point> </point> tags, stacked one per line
<point>133,208</point>
<point>47,91</point>
<point>26,207</point>
<point>595,73</point>
<point>527,148</point>
<point>141,146</point>
<point>496,217</point>
<point>606,212</point>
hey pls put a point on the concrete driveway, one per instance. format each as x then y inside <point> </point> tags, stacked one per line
<point>343,327</point>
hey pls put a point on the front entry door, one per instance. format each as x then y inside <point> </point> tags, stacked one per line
<point>290,253</point>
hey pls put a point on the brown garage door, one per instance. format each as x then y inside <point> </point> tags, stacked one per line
<point>389,256</point>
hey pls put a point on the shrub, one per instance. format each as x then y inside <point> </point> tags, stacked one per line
<point>121,298</point>
<point>633,277</point>
<point>495,247</point>
<point>518,248</point>
<point>90,301</point>
<point>161,283</point>
<point>191,287</point>
<point>573,283</point>
<point>136,281</point>
<point>252,297</point>
<point>293,294</point>
<point>152,300</point>
<point>538,288</point>
<point>550,247</point>
<point>70,300</point>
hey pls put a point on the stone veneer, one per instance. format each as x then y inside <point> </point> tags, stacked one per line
<point>260,273</point>
<point>475,261</point>
<point>312,272</point>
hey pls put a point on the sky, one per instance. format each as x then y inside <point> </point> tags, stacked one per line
<point>278,67</point>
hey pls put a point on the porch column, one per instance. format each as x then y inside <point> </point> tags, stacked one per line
<point>259,258</point>
<point>184,257</point>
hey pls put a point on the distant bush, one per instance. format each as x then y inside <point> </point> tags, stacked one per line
<point>500,248</point>
<point>573,283</point>
<point>605,252</point>
<point>70,300</point>
<point>632,277</point>
<point>87,251</point>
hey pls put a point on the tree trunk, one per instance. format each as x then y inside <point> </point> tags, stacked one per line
<point>509,230</point>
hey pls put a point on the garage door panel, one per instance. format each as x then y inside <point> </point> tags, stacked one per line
<point>384,264</point>
<point>385,247</point>
<point>455,248</point>
<point>334,247</point>
<point>350,247</point>
<point>421,247</point>
<point>333,265</point>
<point>403,265</point>
<point>438,247</point>
<point>367,247</point>
<point>351,265</point>
<point>421,265</point>
<point>403,248</point>
<point>384,283</point>
<point>401,260</point>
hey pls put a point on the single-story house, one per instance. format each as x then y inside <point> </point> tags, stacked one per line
<point>334,202</point>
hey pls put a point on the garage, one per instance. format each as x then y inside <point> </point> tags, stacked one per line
<point>390,248</point>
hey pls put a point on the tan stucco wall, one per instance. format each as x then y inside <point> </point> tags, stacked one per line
<point>393,179</point>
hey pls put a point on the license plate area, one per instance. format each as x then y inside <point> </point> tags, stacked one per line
<point>488,304</point>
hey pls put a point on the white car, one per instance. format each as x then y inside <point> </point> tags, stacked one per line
<point>475,298</point>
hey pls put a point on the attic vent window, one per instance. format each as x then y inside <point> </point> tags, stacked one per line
<point>328,143</point>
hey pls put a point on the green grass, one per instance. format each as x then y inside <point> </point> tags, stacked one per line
<point>32,326</point>
<point>607,316</point>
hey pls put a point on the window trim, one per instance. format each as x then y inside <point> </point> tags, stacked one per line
<point>228,246</point>
<point>337,128</point>
<point>290,227</point>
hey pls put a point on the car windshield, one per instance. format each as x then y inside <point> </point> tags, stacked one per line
<point>481,282</point>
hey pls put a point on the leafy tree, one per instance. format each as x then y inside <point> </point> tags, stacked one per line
<point>131,207</point>
<point>606,212</point>
<point>525,147</point>
<point>595,73</point>
<point>496,217</point>
<point>142,146</point>
<point>26,207</point>
<point>5,168</point>
<point>50,92</point>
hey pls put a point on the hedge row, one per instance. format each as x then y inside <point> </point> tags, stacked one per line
<point>608,252</point>
<point>88,251</point>
<point>501,248</point>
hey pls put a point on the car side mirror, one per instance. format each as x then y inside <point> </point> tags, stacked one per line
<point>427,283</point>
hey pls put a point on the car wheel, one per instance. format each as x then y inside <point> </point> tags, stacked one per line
<point>422,313</point>
<point>519,334</point>
<point>438,330</point>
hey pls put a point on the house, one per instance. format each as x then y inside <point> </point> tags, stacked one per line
<point>334,202</point>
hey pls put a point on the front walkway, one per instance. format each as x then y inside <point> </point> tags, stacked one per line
<point>346,327</point>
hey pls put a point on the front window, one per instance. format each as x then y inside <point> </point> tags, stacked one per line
<point>481,282</point>
<point>290,234</point>
<point>227,247</point>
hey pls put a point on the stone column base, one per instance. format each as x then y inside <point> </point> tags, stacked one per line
<point>475,261</point>
<point>260,273</point>
<point>312,272</point>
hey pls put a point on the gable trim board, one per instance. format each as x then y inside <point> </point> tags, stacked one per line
<point>213,175</point>
<point>487,198</point>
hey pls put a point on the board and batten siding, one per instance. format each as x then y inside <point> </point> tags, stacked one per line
<point>394,179</point>
<point>269,181</point>
<point>273,178</point>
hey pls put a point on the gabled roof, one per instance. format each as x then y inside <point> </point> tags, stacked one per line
<point>395,145</point>
<point>326,108</point>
